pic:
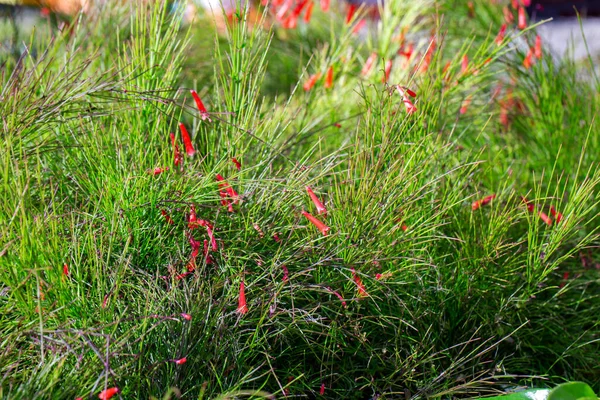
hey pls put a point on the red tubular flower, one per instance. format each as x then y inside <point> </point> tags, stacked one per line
<point>195,246</point>
<point>192,220</point>
<point>322,389</point>
<point>545,218</point>
<point>237,164</point>
<point>191,265</point>
<point>276,238</point>
<point>526,3</point>
<point>465,105</point>
<point>233,194</point>
<point>108,393</point>
<point>209,230</point>
<point>471,8</point>
<point>564,279</point>
<point>558,216</point>
<point>446,68</point>
<point>105,300</point>
<point>257,227</point>
<point>359,26</point>
<point>290,22</point>
<point>428,55</point>
<point>351,10</point>
<point>537,50</point>
<point>187,317</point>
<point>464,65</point>
<point>406,93</point>
<point>320,225</point>
<point>527,62</point>
<point>189,147</point>
<point>501,33</point>
<point>320,207</point>
<point>286,391</point>
<point>158,170</point>
<point>211,236</point>
<point>369,64</point>
<point>228,189</point>
<point>308,14</point>
<point>522,24</point>
<point>180,361</point>
<point>329,78</point>
<point>206,253</point>
<point>325,5</point>
<point>515,4</point>
<point>311,82</point>
<point>286,273</point>
<point>361,288</point>
<point>183,275</point>
<point>387,69</point>
<point>529,204</point>
<point>410,107</point>
<point>339,296</point>
<point>509,18</point>
<point>299,7</point>
<point>407,51</point>
<point>167,217</point>
<point>242,307</point>
<point>486,200</point>
<point>177,157</point>
<point>65,269</point>
<point>283,10</point>
<point>200,105</point>
<point>225,200</point>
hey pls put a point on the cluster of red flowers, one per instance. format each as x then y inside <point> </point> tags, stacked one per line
<point>535,51</point>
<point>406,95</point>
<point>405,51</point>
<point>185,136</point>
<point>313,79</point>
<point>228,195</point>
<point>287,12</point>
<point>530,207</point>
<point>321,210</point>
<point>543,216</point>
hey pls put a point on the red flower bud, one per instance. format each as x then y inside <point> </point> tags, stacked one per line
<point>187,141</point>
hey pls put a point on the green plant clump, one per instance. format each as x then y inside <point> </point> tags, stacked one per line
<point>449,249</point>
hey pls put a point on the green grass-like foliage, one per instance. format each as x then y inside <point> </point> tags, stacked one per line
<point>412,294</point>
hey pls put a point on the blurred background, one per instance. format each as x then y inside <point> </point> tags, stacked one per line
<point>563,32</point>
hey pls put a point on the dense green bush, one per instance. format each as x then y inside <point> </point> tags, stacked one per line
<point>436,278</point>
